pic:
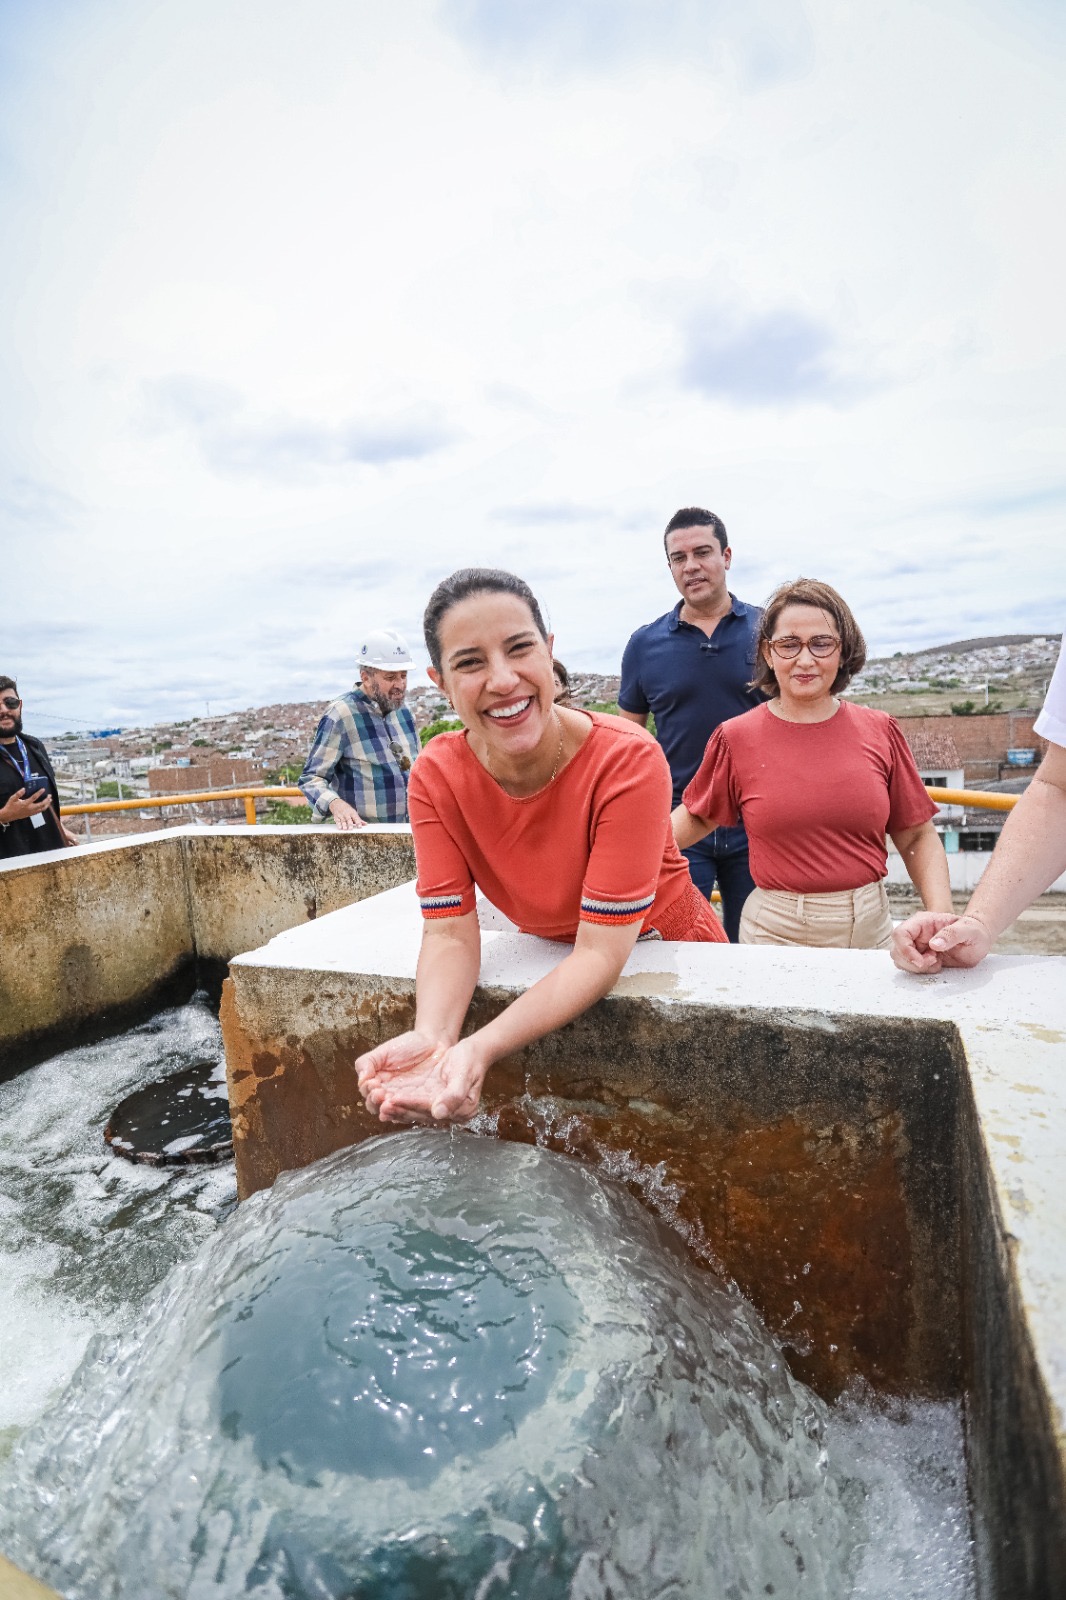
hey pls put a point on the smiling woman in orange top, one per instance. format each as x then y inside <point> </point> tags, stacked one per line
<point>818,783</point>
<point>561,817</point>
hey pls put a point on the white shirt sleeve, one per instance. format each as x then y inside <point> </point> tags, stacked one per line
<point>1051,723</point>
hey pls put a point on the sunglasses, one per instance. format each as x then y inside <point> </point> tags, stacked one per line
<point>10,702</point>
<point>403,760</point>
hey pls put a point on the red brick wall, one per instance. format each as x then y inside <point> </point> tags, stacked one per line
<point>983,742</point>
<point>220,774</point>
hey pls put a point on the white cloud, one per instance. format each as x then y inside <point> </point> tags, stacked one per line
<point>304,312</point>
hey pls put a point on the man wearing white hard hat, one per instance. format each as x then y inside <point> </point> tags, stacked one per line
<point>365,744</point>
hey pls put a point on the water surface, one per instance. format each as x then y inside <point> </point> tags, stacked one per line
<point>440,1364</point>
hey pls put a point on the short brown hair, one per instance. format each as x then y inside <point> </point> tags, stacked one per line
<point>8,683</point>
<point>809,592</point>
<point>696,517</point>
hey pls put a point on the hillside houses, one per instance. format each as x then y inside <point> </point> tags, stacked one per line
<point>972,664</point>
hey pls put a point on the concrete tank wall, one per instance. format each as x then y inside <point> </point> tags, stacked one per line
<point>877,1160</point>
<point>246,884</point>
<point>93,935</point>
<point>88,934</point>
<point>816,1164</point>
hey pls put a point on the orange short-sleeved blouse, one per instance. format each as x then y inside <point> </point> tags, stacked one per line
<point>594,846</point>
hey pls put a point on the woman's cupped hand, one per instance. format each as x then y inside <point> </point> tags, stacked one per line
<point>416,1079</point>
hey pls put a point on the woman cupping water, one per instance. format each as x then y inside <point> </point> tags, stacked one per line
<point>561,817</point>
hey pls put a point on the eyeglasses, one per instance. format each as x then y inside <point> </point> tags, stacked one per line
<point>403,759</point>
<point>10,702</point>
<point>788,648</point>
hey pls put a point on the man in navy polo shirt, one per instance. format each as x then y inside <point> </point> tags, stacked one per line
<point>691,669</point>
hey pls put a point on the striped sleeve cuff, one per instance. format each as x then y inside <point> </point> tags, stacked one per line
<point>615,912</point>
<point>435,906</point>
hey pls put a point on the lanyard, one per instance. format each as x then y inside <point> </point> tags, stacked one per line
<point>22,761</point>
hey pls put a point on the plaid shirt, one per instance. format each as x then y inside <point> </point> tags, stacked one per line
<point>363,758</point>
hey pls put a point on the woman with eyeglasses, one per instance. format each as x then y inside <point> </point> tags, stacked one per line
<point>818,783</point>
<point>561,818</point>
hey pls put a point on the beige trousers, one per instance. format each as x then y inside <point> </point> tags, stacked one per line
<point>853,919</point>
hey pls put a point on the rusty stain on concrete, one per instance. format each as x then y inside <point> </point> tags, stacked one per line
<point>814,1192</point>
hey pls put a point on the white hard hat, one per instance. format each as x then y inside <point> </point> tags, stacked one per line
<point>385,649</point>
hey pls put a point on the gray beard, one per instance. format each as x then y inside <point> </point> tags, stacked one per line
<point>386,707</point>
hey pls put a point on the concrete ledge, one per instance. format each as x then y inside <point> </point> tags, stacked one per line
<point>246,884</point>
<point>98,931</point>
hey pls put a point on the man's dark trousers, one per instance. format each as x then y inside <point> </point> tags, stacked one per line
<point>723,856</point>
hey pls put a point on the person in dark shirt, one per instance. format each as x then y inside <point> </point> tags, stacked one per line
<point>692,669</point>
<point>29,799</point>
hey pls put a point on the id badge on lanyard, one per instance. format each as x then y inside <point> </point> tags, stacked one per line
<point>22,763</point>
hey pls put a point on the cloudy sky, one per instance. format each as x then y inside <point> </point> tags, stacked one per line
<point>305,306</point>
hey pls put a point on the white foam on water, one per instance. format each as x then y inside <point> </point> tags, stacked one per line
<point>176,1147</point>
<point>84,1235</point>
<point>910,1459</point>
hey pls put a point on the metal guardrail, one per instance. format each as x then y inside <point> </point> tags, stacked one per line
<point>973,799</point>
<point>200,797</point>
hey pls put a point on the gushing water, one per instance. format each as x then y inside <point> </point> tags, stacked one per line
<point>442,1365</point>
<point>85,1237</point>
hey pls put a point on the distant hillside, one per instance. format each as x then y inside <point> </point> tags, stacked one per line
<point>1000,672</point>
<point>960,646</point>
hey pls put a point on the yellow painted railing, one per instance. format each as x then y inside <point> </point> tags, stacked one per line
<point>975,799</point>
<point>143,802</point>
<point>972,799</point>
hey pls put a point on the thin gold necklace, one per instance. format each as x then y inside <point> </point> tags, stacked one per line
<point>555,769</point>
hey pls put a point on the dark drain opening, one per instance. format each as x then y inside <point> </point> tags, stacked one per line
<point>176,1121</point>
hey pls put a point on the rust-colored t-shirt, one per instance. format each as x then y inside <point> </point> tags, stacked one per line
<point>816,798</point>
<point>594,846</point>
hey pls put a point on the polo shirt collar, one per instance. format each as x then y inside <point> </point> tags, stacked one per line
<point>736,609</point>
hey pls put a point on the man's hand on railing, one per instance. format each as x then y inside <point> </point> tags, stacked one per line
<point>345,816</point>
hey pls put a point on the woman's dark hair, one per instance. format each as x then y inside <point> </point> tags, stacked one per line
<point>460,586</point>
<point>809,592</point>
<point>562,682</point>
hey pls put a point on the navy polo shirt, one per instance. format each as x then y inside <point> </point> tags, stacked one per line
<point>691,683</point>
